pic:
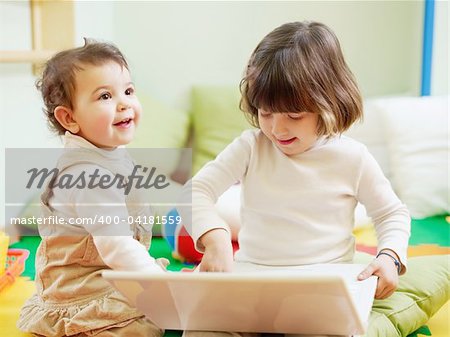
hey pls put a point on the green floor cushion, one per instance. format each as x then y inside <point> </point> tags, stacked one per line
<point>434,230</point>
<point>422,291</point>
<point>380,326</point>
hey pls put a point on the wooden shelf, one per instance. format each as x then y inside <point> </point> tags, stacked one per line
<point>52,29</point>
<point>25,56</point>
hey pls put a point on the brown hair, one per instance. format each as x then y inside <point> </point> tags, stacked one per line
<point>300,67</point>
<point>57,83</point>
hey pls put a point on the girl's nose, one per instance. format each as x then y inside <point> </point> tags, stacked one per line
<point>278,125</point>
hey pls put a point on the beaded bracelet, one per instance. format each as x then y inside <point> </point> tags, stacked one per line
<point>396,262</point>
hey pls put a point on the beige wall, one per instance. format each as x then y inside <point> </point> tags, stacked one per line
<point>179,44</point>
<point>174,45</point>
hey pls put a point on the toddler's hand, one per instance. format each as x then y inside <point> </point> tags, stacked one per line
<point>386,270</point>
<point>162,262</point>
<point>218,255</point>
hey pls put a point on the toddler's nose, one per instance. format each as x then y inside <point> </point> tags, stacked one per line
<point>123,106</point>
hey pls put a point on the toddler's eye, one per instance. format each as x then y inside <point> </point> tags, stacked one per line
<point>129,91</point>
<point>105,96</point>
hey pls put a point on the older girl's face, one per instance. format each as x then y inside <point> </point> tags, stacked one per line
<point>291,132</point>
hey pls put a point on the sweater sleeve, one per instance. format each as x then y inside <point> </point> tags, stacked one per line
<point>390,216</point>
<point>215,178</point>
<point>103,213</point>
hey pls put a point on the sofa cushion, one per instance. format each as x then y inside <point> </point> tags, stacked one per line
<point>416,131</point>
<point>370,132</point>
<point>161,127</point>
<point>216,120</point>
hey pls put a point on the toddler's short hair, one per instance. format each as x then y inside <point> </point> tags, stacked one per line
<point>57,84</point>
<point>300,67</point>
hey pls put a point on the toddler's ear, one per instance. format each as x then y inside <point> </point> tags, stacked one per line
<point>64,116</point>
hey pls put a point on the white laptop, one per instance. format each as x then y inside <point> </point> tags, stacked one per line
<point>319,299</point>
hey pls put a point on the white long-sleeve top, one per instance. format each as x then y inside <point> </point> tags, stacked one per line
<point>112,235</point>
<point>298,210</point>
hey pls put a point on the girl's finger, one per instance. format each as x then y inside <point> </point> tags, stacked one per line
<point>381,288</point>
<point>379,293</point>
<point>388,292</point>
<point>370,269</point>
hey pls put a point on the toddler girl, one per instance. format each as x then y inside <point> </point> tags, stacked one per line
<point>89,99</point>
<point>301,178</point>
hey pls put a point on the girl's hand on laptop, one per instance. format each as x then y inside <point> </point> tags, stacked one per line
<point>387,273</point>
<point>218,255</point>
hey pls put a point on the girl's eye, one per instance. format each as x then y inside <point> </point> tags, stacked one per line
<point>129,91</point>
<point>295,115</point>
<point>105,96</point>
<point>265,114</point>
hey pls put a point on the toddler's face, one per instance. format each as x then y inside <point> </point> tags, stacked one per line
<point>292,132</point>
<point>105,106</point>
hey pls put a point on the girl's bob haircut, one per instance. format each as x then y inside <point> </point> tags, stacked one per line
<point>299,67</point>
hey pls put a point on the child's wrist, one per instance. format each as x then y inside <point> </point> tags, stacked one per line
<point>392,257</point>
<point>215,239</point>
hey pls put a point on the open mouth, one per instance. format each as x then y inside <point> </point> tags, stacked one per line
<point>124,123</point>
<point>287,141</point>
